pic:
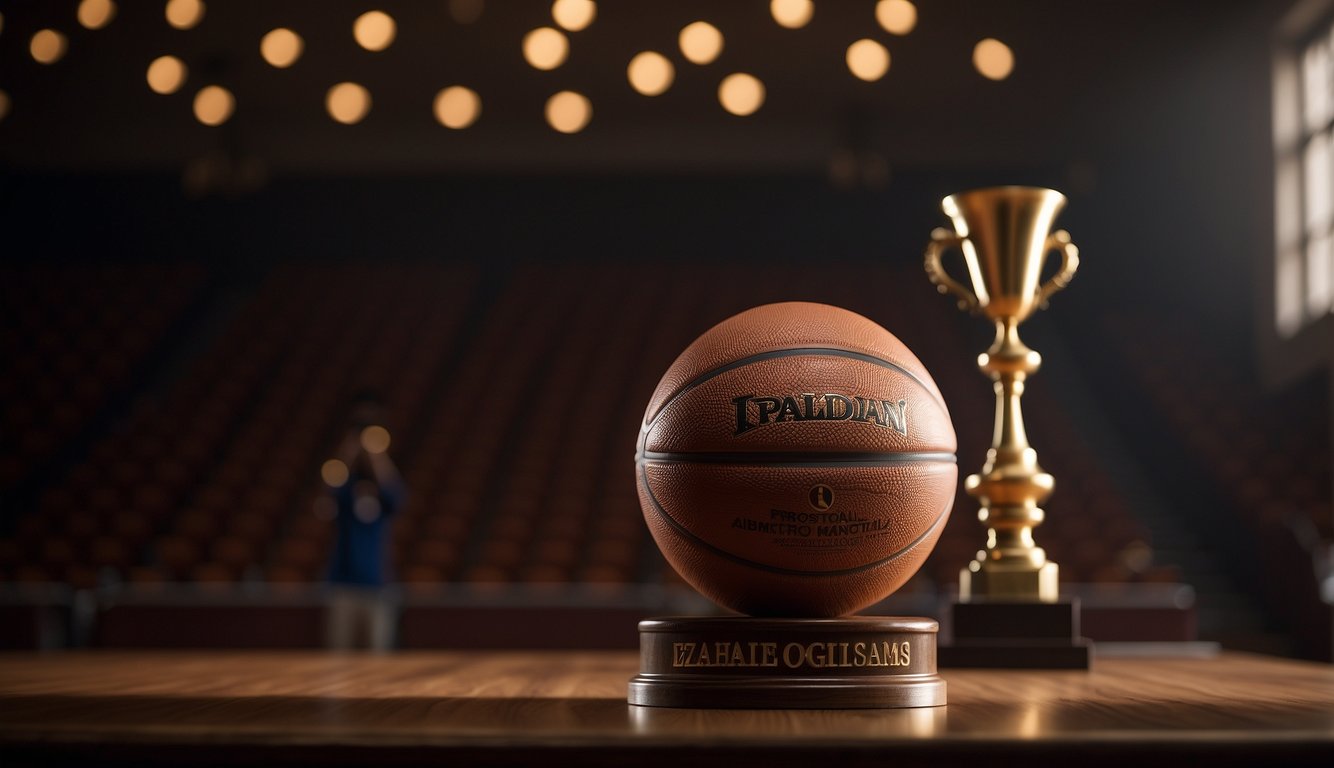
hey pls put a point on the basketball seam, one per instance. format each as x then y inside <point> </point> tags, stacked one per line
<point>793,352</point>
<point>690,536</point>
<point>802,459</point>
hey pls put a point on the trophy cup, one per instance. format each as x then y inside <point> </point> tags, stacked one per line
<point>1009,612</point>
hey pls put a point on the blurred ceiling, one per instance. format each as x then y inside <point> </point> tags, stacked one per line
<point>1083,69</point>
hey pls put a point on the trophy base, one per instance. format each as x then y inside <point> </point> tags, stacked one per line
<point>1007,634</point>
<point>1004,583</point>
<point>860,662</point>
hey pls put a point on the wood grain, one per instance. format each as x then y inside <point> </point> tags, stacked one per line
<point>570,707</point>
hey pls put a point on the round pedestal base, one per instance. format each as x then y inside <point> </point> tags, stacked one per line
<point>860,662</point>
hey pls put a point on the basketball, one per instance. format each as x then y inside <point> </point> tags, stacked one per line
<point>796,460</point>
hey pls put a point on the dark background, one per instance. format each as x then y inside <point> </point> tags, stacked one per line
<point>1153,117</point>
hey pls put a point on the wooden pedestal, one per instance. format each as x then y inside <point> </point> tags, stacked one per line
<point>746,663</point>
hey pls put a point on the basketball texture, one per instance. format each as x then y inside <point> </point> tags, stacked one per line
<point>796,460</point>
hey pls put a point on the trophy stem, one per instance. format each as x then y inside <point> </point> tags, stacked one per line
<point>1008,363</point>
<point>1010,486</point>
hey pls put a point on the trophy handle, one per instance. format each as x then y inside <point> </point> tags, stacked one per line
<point>1059,241</point>
<point>941,239</point>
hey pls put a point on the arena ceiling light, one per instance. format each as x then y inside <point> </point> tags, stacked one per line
<point>166,74</point>
<point>47,46</point>
<point>348,103</point>
<point>792,14</point>
<point>96,14</point>
<point>650,73</point>
<point>374,30</point>
<point>457,107</point>
<point>741,94</point>
<point>574,15</point>
<point>214,105</point>
<point>868,60</point>
<point>281,47</point>
<point>545,48</point>
<point>993,59</point>
<point>898,17</point>
<point>701,42</point>
<point>569,112</point>
<point>184,14</point>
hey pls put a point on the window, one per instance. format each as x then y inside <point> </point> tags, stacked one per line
<point>1304,180</point>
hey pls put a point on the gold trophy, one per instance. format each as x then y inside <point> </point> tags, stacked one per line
<point>1005,236</point>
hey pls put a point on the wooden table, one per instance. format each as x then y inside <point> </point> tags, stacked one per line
<point>569,708</point>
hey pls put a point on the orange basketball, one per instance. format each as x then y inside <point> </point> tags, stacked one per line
<point>796,460</point>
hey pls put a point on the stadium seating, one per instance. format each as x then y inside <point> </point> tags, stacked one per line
<point>72,338</point>
<point>514,394</point>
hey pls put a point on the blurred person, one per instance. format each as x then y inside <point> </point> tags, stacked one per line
<point>367,492</point>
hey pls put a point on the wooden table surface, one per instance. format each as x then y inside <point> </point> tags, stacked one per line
<point>569,708</point>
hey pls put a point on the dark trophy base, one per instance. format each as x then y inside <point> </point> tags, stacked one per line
<point>1016,635</point>
<point>743,663</point>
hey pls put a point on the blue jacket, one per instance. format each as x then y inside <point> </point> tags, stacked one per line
<point>361,554</point>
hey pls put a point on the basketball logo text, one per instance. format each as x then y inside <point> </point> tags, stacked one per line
<point>753,412</point>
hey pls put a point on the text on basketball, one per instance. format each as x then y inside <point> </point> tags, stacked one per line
<point>753,412</point>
